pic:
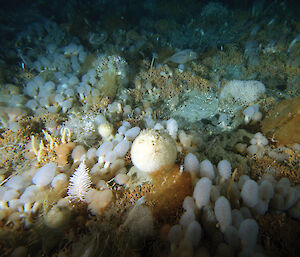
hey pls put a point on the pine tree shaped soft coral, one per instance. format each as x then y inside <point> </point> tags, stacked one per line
<point>80,183</point>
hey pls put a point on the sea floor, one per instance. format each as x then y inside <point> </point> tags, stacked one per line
<point>79,86</point>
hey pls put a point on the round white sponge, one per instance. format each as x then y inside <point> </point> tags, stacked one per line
<point>152,150</point>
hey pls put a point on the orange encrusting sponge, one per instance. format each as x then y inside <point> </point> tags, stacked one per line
<point>170,187</point>
<point>283,122</point>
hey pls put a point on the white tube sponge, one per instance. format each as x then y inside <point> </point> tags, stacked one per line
<point>291,198</point>
<point>237,218</point>
<point>224,168</point>
<point>121,148</point>
<point>29,195</point>
<point>9,195</point>
<point>223,212</point>
<point>250,193</point>
<point>17,182</point>
<point>295,211</point>
<point>172,127</point>
<point>45,174</point>
<point>59,179</point>
<point>232,237</point>
<point>175,234</point>
<point>266,190</point>
<point>202,192</point>
<point>248,232</point>
<point>193,233</point>
<point>189,204</point>
<point>105,148</point>
<point>187,218</point>
<point>207,169</point>
<point>153,150</point>
<point>132,133</point>
<point>191,163</point>
<point>261,207</point>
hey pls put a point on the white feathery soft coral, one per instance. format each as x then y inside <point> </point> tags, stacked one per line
<point>80,183</point>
